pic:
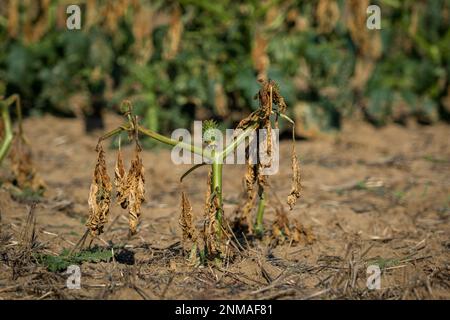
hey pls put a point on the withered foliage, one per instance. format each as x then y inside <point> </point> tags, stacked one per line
<point>35,23</point>
<point>136,190</point>
<point>210,227</point>
<point>283,230</point>
<point>327,14</point>
<point>186,220</point>
<point>129,188</point>
<point>211,238</point>
<point>245,220</point>
<point>271,102</point>
<point>24,172</point>
<point>250,178</point>
<point>268,95</point>
<point>208,192</point>
<point>173,39</point>
<point>368,43</point>
<point>99,196</point>
<point>296,182</point>
<point>120,182</point>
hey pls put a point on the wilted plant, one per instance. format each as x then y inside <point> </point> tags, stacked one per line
<point>17,147</point>
<point>6,131</point>
<point>129,187</point>
<point>215,235</point>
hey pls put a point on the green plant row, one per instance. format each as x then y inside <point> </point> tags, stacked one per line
<point>187,59</point>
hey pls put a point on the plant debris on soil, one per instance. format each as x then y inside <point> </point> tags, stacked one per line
<point>369,197</point>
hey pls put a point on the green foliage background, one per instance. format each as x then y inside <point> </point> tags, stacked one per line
<point>186,59</point>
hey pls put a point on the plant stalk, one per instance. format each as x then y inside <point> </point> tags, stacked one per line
<point>6,143</point>
<point>220,157</point>
<point>259,226</point>
<point>217,189</point>
<point>169,141</point>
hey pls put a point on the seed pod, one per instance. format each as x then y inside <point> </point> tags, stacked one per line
<point>99,196</point>
<point>135,183</point>
<point>120,182</point>
<point>186,220</point>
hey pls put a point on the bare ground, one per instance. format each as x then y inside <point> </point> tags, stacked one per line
<point>371,196</point>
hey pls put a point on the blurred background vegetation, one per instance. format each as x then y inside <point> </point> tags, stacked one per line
<point>200,59</point>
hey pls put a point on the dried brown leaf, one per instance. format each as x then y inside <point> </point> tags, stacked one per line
<point>301,234</point>
<point>99,196</point>
<point>210,228</point>
<point>368,43</point>
<point>13,18</point>
<point>245,219</point>
<point>22,167</point>
<point>283,230</point>
<point>296,182</point>
<point>172,42</point>
<point>210,225</point>
<point>250,178</point>
<point>280,227</point>
<point>186,220</point>
<point>121,182</point>
<point>208,191</point>
<point>250,119</point>
<point>135,182</point>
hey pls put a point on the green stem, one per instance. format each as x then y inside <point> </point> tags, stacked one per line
<point>216,187</point>
<point>259,227</point>
<point>6,143</point>
<point>118,130</point>
<point>237,141</point>
<point>169,141</point>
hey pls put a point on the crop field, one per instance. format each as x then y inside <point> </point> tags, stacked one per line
<point>179,150</point>
<point>379,197</point>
